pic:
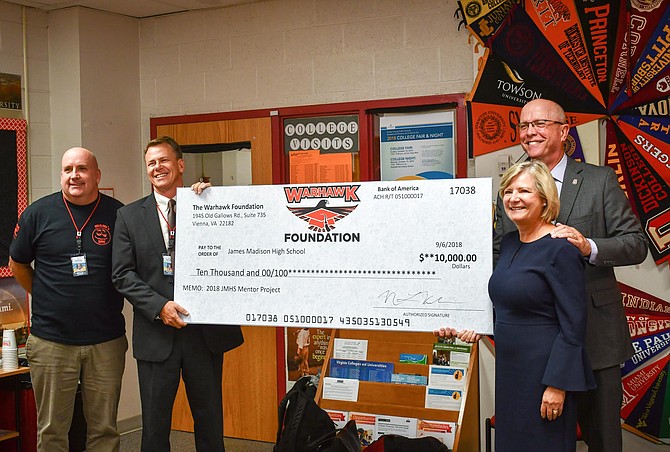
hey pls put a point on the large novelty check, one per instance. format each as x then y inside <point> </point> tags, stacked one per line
<point>404,255</point>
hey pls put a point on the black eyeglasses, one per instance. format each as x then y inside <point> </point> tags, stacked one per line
<point>538,124</point>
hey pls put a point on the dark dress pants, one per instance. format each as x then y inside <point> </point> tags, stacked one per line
<point>202,372</point>
<point>599,412</point>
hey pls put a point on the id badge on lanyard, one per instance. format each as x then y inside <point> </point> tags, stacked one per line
<point>167,265</point>
<point>79,265</point>
<point>168,258</point>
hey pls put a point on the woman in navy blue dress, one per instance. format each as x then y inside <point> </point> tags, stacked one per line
<point>538,292</point>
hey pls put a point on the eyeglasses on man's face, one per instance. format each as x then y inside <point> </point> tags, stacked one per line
<point>538,124</point>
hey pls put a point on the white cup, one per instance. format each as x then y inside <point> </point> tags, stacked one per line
<point>10,359</point>
<point>8,338</point>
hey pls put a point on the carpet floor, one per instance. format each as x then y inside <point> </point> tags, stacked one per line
<point>185,442</point>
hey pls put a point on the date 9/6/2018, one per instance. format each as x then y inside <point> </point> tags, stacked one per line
<point>326,320</point>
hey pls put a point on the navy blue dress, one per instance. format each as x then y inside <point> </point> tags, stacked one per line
<point>538,292</point>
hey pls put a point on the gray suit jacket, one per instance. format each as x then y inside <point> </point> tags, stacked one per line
<point>137,273</point>
<point>593,203</point>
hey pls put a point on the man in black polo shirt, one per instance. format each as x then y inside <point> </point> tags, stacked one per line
<point>77,328</point>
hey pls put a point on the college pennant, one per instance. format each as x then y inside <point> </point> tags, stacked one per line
<point>645,404</point>
<point>638,156</point>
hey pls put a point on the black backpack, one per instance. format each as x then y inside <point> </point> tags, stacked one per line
<point>397,443</point>
<point>303,425</point>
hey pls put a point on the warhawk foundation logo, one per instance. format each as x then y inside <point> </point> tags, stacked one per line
<point>322,217</point>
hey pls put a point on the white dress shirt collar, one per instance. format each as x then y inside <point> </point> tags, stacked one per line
<point>162,202</point>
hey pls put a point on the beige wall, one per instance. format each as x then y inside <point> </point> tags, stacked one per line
<point>300,52</point>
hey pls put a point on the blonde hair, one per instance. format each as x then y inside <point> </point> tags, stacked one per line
<point>544,184</point>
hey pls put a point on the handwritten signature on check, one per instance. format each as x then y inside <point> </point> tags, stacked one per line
<point>421,298</point>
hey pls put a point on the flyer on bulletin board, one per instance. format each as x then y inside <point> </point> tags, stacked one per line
<point>312,166</point>
<point>417,146</point>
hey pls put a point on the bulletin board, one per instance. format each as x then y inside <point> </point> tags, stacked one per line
<point>13,183</point>
<point>356,134</point>
<point>14,308</point>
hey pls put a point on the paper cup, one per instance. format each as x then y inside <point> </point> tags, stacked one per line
<point>8,339</point>
<point>10,359</point>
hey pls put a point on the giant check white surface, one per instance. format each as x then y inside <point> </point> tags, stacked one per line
<point>403,255</point>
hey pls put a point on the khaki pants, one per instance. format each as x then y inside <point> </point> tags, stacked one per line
<point>56,370</point>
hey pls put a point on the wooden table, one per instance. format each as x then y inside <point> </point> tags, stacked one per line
<point>9,434</point>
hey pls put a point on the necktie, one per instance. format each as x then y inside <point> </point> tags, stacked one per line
<point>172,222</point>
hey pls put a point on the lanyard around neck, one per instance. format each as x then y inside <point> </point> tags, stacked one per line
<point>171,229</point>
<point>74,223</point>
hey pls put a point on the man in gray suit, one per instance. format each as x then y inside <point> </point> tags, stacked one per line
<point>163,344</point>
<point>596,217</point>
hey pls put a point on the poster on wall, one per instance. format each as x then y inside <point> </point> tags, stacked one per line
<point>14,309</point>
<point>417,146</point>
<point>10,94</point>
<point>306,349</point>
